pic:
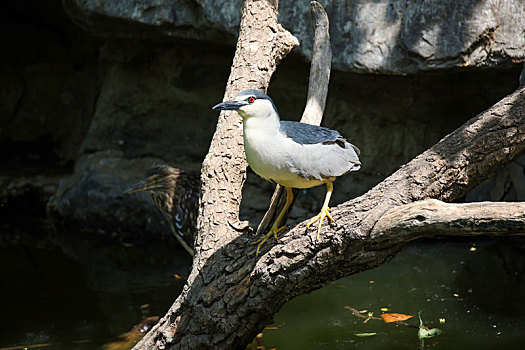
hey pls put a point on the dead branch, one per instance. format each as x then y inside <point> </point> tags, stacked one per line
<point>433,217</point>
<point>320,67</point>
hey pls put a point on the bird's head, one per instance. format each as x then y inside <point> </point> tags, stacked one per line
<point>250,104</point>
<point>160,179</point>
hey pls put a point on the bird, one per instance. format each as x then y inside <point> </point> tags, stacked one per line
<point>175,193</point>
<point>292,154</point>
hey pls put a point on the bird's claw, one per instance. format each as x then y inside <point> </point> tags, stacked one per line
<point>325,212</point>
<point>261,241</point>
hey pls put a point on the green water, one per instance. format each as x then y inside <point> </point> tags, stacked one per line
<point>478,290</point>
<point>80,294</point>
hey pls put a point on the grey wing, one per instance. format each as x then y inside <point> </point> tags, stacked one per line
<point>306,134</point>
<point>321,153</point>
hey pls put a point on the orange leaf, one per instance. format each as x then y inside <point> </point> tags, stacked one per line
<point>395,317</point>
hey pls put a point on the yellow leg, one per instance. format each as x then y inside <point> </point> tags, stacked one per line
<point>324,210</point>
<point>275,229</point>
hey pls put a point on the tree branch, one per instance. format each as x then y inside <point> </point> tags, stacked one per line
<point>296,265</point>
<point>224,168</point>
<point>461,160</point>
<point>320,67</point>
<point>432,217</point>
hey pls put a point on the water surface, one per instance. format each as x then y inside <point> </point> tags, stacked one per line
<point>80,293</point>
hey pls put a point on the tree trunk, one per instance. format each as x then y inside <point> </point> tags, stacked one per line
<point>231,294</point>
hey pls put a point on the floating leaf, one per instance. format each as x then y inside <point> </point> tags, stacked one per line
<point>395,317</point>
<point>364,334</point>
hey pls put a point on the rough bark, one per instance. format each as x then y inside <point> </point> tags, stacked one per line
<point>432,217</point>
<point>261,46</point>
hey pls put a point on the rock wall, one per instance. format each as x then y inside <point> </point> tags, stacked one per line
<point>388,36</point>
<point>86,109</point>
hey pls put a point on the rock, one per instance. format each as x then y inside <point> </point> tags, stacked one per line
<point>508,184</point>
<point>390,37</point>
<point>45,111</point>
<point>157,104</point>
<point>92,201</point>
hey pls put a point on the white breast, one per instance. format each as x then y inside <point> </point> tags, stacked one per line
<point>269,153</point>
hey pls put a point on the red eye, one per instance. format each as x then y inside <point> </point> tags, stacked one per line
<point>251,99</point>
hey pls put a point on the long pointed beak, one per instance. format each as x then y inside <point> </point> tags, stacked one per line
<point>230,105</point>
<point>138,187</point>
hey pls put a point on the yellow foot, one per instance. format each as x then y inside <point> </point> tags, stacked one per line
<point>261,241</point>
<point>320,217</point>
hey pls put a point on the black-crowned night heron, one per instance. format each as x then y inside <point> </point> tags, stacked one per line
<point>175,192</point>
<point>295,155</point>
